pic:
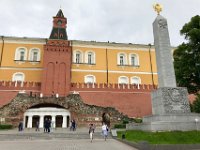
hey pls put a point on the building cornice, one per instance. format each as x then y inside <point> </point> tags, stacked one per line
<point>24,40</point>
<point>79,43</point>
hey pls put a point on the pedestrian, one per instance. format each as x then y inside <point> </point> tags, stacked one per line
<point>71,128</point>
<point>20,126</point>
<point>49,125</point>
<point>45,125</point>
<point>73,125</point>
<point>37,126</point>
<point>91,131</point>
<point>105,131</point>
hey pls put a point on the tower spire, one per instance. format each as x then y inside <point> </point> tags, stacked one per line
<point>59,26</point>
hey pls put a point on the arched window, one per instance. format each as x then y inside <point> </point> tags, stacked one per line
<point>135,80</point>
<point>133,60</point>
<point>90,79</point>
<point>121,59</point>
<point>78,57</point>
<point>123,80</point>
<point>90,57</point>
<point>34,54</point>
<point>18,76</point>
<point>21,54</point>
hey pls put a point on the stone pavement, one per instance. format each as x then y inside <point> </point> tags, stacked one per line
<point>60,139</point>
<point>81,144</point>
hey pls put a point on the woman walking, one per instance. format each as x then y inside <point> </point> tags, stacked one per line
<point>91,131</point>
<point>105,131</point>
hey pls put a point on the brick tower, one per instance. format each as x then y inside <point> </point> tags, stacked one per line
<point>56,77</point>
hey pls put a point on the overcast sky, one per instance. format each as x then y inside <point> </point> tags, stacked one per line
<point>123,21</point>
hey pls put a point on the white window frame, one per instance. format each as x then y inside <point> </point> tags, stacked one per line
<point>85,79</point>
<point>31,54</point>
<point>14,78</point>
<point>18,55</point>
<point>120,80</point>
<point>135,77</point>
<point>93,59</point>
<point>124,59</point>
<point>136,63</point>
<point>74,56</point>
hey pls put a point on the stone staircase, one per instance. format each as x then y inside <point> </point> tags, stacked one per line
<point>57,134</point>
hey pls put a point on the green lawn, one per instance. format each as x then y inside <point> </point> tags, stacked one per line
<point>175,137</point>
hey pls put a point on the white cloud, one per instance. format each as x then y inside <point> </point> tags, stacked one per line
<point>128,21</point>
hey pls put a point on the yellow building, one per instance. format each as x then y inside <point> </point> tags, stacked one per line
<point>21,59</point>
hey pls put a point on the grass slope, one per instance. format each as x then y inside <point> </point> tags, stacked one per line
<point>175,137</point>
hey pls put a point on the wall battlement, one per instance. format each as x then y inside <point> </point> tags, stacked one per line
<point>111,87</point>
<point>36,86</point>
<point>12,85</point>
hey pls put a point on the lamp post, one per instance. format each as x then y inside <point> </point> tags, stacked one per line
<point>196,123</point>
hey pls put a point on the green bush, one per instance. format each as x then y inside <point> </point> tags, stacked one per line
<point>5,126</point>
<point>125,121</point>
<point>137,120</point>
<point>120,126</point>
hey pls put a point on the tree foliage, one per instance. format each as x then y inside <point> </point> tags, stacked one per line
<point>196,104</point>
<point>187,57</point>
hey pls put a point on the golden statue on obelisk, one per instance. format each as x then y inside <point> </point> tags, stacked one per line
<point>158,8</point>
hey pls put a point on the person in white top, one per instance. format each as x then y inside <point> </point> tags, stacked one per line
<point>105,131</point>
<point>91,131</point>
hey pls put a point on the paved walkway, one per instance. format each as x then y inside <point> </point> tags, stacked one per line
<point>60,139</point>
<point>81,144</point>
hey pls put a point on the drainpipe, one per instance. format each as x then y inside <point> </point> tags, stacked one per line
<point>151,65</point>
<point>2,48</point>
<point>107,66</point>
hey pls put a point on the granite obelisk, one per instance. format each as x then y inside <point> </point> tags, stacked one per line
<point>164,60</point>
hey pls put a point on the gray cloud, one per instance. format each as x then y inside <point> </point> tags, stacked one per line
<point>128,21</point>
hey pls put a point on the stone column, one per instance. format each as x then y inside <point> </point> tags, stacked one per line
<point>30,119</point>
<point>24,122</point>
<point>41,125</point>
<point>64,124</point>
<point>53,121</point>
<point>164,59</point>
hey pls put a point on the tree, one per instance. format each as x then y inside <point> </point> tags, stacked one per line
<point>187,57</point>
<point>196,104</point>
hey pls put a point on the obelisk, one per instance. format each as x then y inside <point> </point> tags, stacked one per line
<point>164,59</point>
<point>167,99</point>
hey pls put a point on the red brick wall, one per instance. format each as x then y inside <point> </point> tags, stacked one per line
<point>127,99</point>
<point>6,97</point>
<point>131,104</point>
